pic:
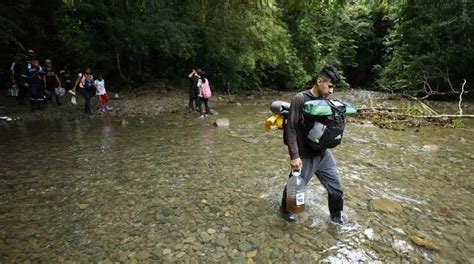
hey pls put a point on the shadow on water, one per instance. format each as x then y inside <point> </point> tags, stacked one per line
<point>176,188</point>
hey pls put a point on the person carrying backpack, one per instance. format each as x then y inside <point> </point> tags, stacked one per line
<point>204,95</point>
<point>52,82</point>
<point>34,79</point>
<point>309,160</point>
<point>85,82</point>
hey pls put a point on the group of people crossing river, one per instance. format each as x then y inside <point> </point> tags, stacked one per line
<point>41,84</point>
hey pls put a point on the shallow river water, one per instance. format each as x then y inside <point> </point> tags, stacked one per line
<point>174,188</point>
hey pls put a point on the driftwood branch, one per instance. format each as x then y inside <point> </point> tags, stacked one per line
<point>460,97</point>
<point>399,118</point>
<point>428,90</point>
<point>440,116</point>
<point>429,109</point>
<point>391,111</point>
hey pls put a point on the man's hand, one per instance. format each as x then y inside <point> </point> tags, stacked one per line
<point>296,163</point>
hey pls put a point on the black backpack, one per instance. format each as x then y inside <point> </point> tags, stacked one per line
<point>88,83</point>
<point>322,132</point>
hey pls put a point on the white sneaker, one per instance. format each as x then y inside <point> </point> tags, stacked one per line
<point>72,92</point>
<point>202,116</point>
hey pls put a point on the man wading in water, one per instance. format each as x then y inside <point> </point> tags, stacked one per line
<point>309,161</point>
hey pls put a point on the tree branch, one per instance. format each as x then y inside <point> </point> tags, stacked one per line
<point>460,97</point>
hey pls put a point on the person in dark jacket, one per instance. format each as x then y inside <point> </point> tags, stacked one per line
<point>193,90</point>
<point>314,162</point>
<point>35,81</point>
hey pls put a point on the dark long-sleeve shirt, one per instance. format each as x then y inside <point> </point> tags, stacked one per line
<point>295,132</point>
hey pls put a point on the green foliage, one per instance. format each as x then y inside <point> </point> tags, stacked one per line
<point>411,109</point>
<point>401,45</point>
<point>328,33</point>
<point>458,123</point>
<point>430,47</point>
<point>261,52</point>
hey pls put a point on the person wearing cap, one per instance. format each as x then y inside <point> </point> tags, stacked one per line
<point>35,81</point>
<point>29,57</point>
<point>52,82</point>
<point>309,161</point>
<point>25,69</point>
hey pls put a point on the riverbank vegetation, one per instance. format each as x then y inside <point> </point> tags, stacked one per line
<point>420,48</point>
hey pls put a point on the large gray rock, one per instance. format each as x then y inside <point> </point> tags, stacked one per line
<point>222,123</point>
<point>385,205</point>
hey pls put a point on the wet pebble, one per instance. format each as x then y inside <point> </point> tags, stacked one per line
<point>235,229</point>
<point>401,246</point>
<point>205,237</point>
<point>385,205</point>
<point>239,260</point>
<point>132,261</point>
<point>369,233</point>
<point>245,246</point>
<point>189,240</point>
<point>83,206</point>
<point>252,254</point>
<point>143,254</point>
<point>180,254</point>
<point>222,242</point>
<point>430,148</point>
<point>424,243</point>
<point>222,123</point>
<point>167,212</point>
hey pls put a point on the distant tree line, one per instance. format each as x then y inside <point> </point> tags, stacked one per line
<point>405,46</point>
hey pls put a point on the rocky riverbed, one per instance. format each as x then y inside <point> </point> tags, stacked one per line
<point>145,187</point>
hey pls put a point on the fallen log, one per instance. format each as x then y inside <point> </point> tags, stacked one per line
<point>400,118</point>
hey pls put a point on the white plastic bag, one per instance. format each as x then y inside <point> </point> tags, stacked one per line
<point>61,91</point>
<point>13,91</point>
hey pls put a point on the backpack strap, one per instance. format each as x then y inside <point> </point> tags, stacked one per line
<point>307,96</point>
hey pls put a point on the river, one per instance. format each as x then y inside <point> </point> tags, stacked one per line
<point>174,188</point>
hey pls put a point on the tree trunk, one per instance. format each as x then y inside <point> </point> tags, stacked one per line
<point>117,59</point>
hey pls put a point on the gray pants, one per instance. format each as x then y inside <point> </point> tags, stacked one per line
<point>324,167</point>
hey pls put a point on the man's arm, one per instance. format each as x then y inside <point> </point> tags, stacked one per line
<point>78,80</point>
<point>25,76</point>
<point>292,126</point>
<point>191,74</point>
<point>58,80</point>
